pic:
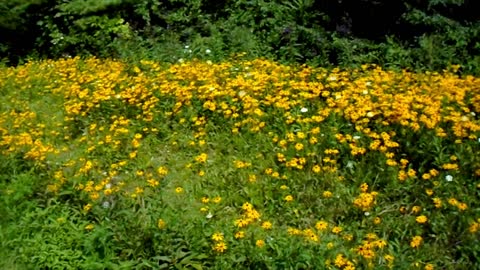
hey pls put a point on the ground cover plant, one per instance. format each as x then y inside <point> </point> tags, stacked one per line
<point>247,164</point>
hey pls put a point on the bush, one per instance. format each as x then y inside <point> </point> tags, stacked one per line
<point>431,34</point>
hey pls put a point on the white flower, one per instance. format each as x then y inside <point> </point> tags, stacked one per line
<point>208,51</point>
<point>108,186</point>
<point>332,78</point>
<point>370,114</point>
<point>356,137</point>
<point>349,165</point>
<point>367,214</point>
<point>105,204</point>
<point>449,178</point>
<point>186,46</point>
<point>472,114</point>
<point>365,92</point>
<point>304,110</point>
<point>180,60</point>
<point>209,215</point>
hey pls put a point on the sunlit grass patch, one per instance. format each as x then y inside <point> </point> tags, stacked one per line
<point>247,164</point>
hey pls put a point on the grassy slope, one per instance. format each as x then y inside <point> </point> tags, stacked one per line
<point>237,164</point>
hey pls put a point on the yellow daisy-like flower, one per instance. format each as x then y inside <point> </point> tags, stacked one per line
<point>153,182</point>
<point>389,258</point>
<point>462,206</point>
<point>87,207</point>
<point>294,231</point>
<point>202,158</point>
<point>437,202</point>
<point>337,229</point>
<point>267,225</point>
<point>421,219</point>
<point>260,243</point>
<point>162,171</point>
<point>321,225</point>
<point>247,206</point>
<point>220,247</point>
<point>429,266</point>
<point>241,223</point>
<point>218,236</point>
<point>239,235</point>
<point>364,187</point>
<point>426,176</point>
<point>380,243</point>
<point>416,241</point>
<point>327,194</point>
<point>298,146</point>
<point>416,209</point>
<point>316,169</point>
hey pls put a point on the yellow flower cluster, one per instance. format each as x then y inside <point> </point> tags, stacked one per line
<point>416,241</point>
<point>366,200</point>
<point>249,216</point>
<point>219,244</point>
<point>343,263</point>
<point>369,245</point>
<point>474,226</point>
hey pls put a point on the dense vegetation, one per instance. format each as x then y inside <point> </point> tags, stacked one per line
<point>239,164</point>
<point>431,34</point>
<point>190,134</point>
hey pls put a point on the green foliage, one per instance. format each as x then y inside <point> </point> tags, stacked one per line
<point>290,30</point>
<point>412,34</point>
<point>79,27</point>
<point>17,25</point>
<point>447,41</point>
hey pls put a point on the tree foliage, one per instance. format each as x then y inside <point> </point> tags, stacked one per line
<point>418,34</point>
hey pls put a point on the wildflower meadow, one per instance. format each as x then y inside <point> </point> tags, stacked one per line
<point>237,164</point>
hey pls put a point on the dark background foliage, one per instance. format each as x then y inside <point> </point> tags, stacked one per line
<point>416,34</point>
